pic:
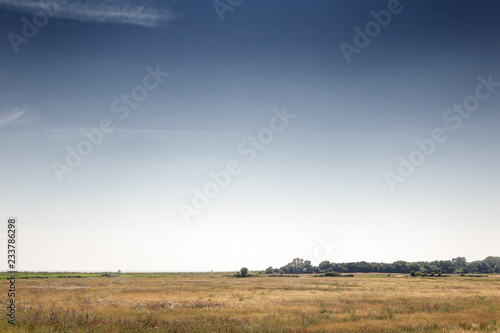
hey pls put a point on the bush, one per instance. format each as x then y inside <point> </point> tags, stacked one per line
<point>332,274</point>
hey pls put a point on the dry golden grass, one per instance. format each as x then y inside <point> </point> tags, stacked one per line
<point>214,303</point>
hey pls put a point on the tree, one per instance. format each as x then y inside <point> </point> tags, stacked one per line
<point>297,265</point>
<point>434,268</point>
<point>459,262</point>
<point>324,265</point>
<point>294,267</point>
<point>401,266</point>
<point>243,272</point>
<point>364,266</point>
<point>492,262</point>
<point>413,266</point>
<point>456,265</point>
<point>446,266</point>
<point>308,268</point>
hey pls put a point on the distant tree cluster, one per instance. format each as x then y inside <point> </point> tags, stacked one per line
<point>456,265</point>
<point>242,273</point>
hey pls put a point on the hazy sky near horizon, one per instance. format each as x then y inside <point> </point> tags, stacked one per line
<point>315,138</point>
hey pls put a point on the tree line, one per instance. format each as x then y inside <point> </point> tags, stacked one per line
<point>457,265</point>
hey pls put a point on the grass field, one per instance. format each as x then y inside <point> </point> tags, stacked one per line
<point>200,302</point>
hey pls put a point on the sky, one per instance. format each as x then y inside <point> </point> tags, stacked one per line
<point>212,135</point>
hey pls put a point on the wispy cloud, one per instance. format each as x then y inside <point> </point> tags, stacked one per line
<point>114,11</point>
<point>10,118</point>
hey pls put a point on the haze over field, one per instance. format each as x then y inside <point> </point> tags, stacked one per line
<point>200,135</point>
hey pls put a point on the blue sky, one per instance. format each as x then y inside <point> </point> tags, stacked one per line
<point>185,93</point>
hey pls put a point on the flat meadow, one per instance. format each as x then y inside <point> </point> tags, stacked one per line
<point>218,302</point>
